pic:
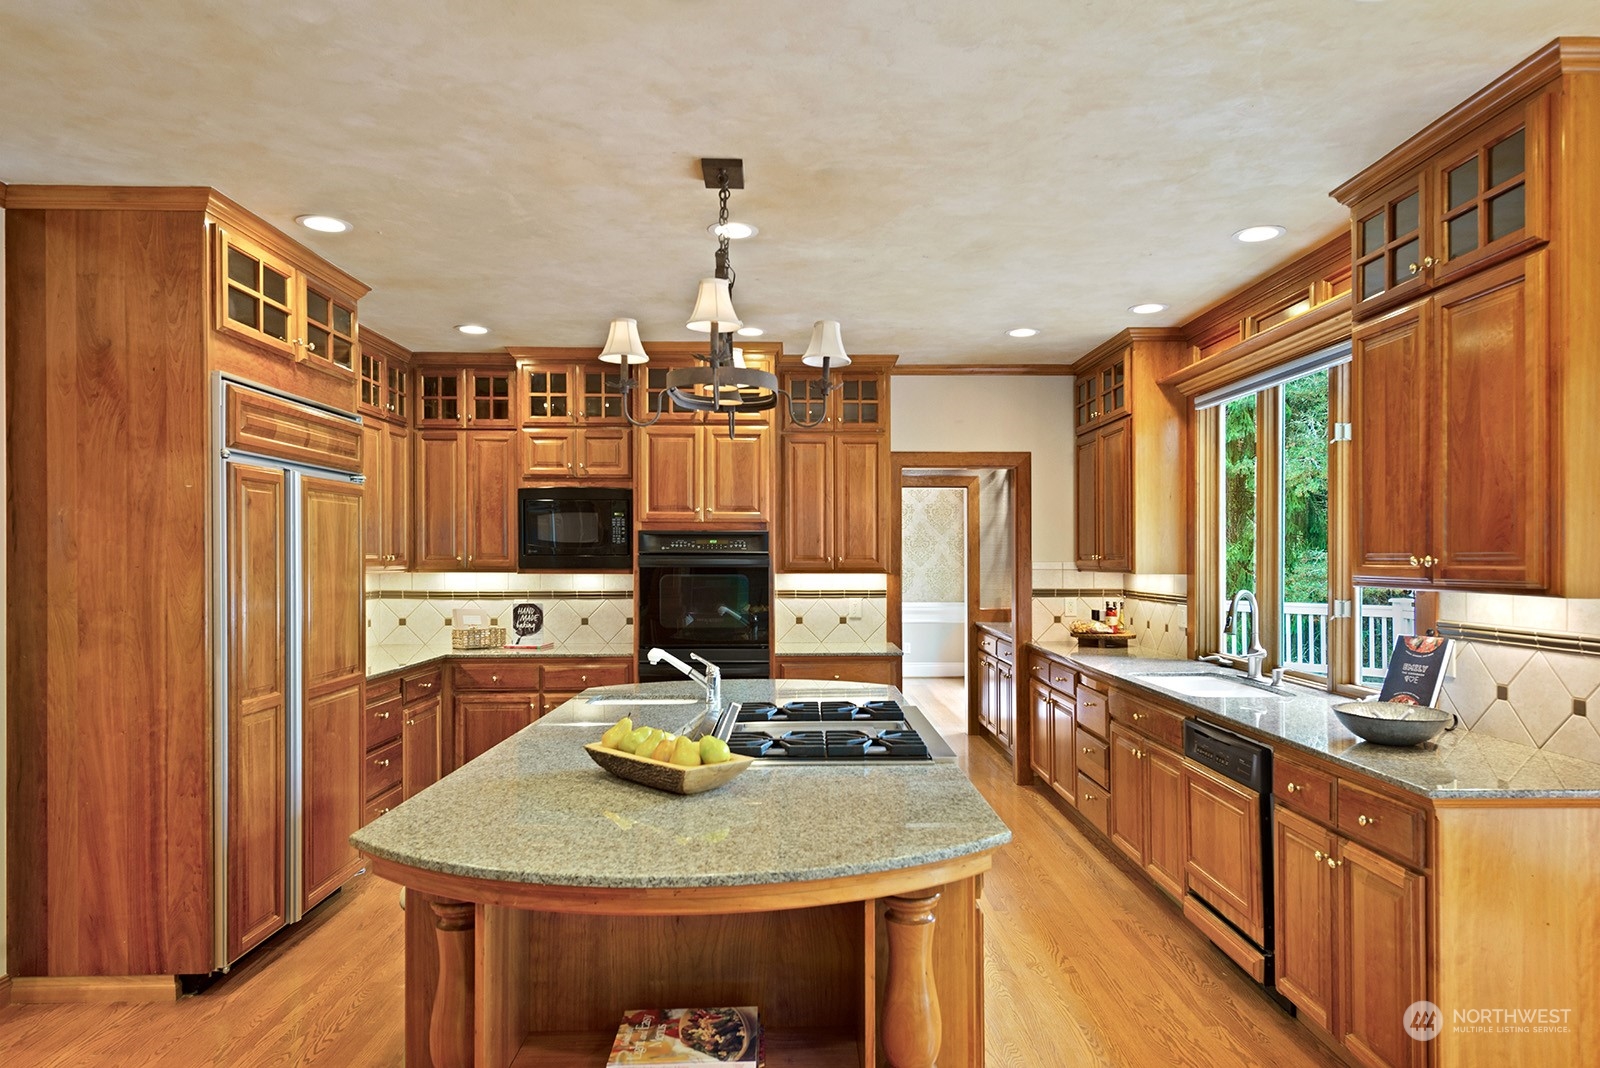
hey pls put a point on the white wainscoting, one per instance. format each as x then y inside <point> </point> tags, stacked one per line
<point>934,634</point>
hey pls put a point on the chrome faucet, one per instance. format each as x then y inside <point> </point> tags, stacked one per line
<point>711,679</point>
<point>1254,655</point>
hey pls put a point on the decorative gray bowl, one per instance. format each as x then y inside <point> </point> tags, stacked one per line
<point>1394,722</point>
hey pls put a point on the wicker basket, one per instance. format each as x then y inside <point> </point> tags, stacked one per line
<point>477,637</point>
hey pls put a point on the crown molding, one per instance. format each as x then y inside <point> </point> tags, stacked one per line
<point>982,369</point>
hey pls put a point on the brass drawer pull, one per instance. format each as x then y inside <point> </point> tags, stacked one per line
<point>381,715</point>
<point>381,763</point>
<point>1319,854</point>
<point>1137,716</point>
<point>1294,787</point>
<point>1367,821</point>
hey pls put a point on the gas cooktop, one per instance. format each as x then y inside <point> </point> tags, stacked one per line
<point>836,732</point>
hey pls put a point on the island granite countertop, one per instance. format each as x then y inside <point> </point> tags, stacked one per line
<point>385,660</point>
<point>1460,765</point>
<point>536,809</point>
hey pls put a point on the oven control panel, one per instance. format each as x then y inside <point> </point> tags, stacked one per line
<point>660,541</point>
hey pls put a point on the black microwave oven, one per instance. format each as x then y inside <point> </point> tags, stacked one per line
<point>575,528</point>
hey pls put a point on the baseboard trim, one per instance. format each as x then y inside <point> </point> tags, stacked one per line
<point>934,670</point>
<point>66,989</point>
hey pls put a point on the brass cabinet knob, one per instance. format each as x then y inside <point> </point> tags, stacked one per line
<point>1429,261</point>
<point>1137,716</point>
<point>382,810</point>
<point>1294,787</point>
<point>1319,854</point>
<point>381,763</point>
<point>382,715</point>
<point>1415,562</point>
<point>1367,821</point>
<point>1429,561</point>
<point>1087,750</point>
<point>494,678</point>
<point>411,723</point>
<point>1088,797</point>
<point>1334,863</point>
<point>583,678</point>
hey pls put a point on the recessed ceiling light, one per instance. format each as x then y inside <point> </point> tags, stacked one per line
<point>472,328</point>
<point>750,331</point>
<point>325,224</point>
<point>1252,234</point>
<point>1022,331</point>
<point>735,231</point>
<point>1147,309</point>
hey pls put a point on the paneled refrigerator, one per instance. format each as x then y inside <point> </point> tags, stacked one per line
<point>290,659</point>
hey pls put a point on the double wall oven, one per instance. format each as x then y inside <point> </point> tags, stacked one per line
<point>706,593</point>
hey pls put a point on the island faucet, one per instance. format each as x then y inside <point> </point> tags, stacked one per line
<point>711,679</point>
<point>1254,655</point>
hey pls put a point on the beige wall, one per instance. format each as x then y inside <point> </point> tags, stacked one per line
<point>998,413</point>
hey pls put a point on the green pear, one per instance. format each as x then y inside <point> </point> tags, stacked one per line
<point>664,748</point>
<point>638,737</point>
<point>612,738</point>
<point>686,752</point>
<point>713,750</point>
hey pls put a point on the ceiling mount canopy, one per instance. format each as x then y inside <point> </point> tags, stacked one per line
<point>725,384</point>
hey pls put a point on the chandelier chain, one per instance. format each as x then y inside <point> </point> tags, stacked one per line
<point>722,229</point>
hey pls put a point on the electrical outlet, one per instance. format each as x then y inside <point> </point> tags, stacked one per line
<point>855,608</point>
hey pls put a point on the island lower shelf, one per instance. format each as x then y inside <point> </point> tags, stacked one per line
<point>858,972</point>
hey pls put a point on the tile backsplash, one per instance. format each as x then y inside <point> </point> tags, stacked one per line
<point>1525,684</point>
<point>1154,606</point>
<point>819,621</point>
<point>584,614</point>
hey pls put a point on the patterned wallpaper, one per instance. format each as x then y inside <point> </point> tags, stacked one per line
<point>933,538</point>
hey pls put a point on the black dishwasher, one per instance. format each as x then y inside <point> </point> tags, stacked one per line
<point>1230,873</point>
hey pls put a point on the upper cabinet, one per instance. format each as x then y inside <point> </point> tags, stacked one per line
<point>271,302</point>
<point>835,499</point>
<point>572,418</point>
<point>385,385</point>
<point>1130,495</point>
<point>1473,366</point>
<point>1477,201</point>
<point>476,398</point>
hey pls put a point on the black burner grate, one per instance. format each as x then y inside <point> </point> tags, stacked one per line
<point>752,711</point>
<point>823,710</point>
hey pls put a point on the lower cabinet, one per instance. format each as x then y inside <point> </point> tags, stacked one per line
<point>884,670</point>
<point>1148,814</point>
<point>1224,861</point>
<point>422,750</point>
<point>331,792</point>
<point>484,720</point>
<point>495,698</point>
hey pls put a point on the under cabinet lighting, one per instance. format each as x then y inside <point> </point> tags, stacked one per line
<point>1022,331</point>
<point>1147,309</point>
<point>1251,234</point>
<point>472,328</point>
<point>323,224</point>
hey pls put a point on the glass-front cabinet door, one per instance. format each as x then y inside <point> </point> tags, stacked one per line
<point>1489,197</point>
<point>440,398</point>
<point>600,395</point>
<point>549,394</point>
<point>1390,252</point>
<point>489,398</point>
<point>257,295</point>
<point>1101,393</point>
<point>398,401</point>
<point>372,384</point>
<point>330,329</point>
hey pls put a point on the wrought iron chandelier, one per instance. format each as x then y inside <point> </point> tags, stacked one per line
<point>725,384</point>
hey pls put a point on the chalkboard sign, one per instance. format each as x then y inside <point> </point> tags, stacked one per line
<point>1416,670</point>
<point>527,620</point>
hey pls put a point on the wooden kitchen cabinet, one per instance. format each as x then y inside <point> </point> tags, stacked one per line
<point>466,491</point>
<point>882,670</point>
<point>1041,706</point>
<point>423,746</point>
<point>1305,900</point>
<point>1148,812</point>
<point>572,418</point>
<point>1380,952</point>
<point>834,476</point>
<point>1224,864</point>
<point>386,508</point>
<point>1130,455</point>
<point>996,696</point>
<point>1475,514</point>
<point>598,453</point>
<point>696,475</point>
<point>277,305</point>
<point>484,720</point>
<point>496,697</point>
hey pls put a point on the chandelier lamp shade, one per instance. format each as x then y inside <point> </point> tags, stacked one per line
<point>723,383</point>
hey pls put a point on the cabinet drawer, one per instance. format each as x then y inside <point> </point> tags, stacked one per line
<point>380,804</point>
<point>1095,804</point>
<point>573,678</point>
<point>382,770</point>
<point>1003,651</point>
<point>987,642</point>
<point>1063,678</point>
<point>1092,711</point>
<point>1302,789</point>
<point>1387,826</point>
<point>496,675</point>
<point>383,688</point>
<point>1147,719</point>
<point>383,720</point>
<point>423,684</point>
<point>1092,759</point>
<point>1039,668</point>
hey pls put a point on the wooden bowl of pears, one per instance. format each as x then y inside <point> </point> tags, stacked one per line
<point>675,765</point>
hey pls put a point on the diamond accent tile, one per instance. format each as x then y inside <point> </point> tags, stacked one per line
<point>1579,674</point>
<point>1471,691</point>
<point>1501,721</point>
<point>1503,661</point>
<point>1539,699</point>
<point>1576,737</point>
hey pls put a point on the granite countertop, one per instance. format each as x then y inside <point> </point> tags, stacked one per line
<point>1461,765</point>
<point>383,660</point>
<point>1002,629</point>
<point>825,649</point>
<point>536,809</point>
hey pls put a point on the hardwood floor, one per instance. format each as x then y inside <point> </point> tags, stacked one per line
<point>1086,966</point>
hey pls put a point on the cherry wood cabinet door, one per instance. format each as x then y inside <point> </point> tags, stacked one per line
<point>605,453</point>
<point>807,513</point>
<point>491,500</point>
<point>1165,846</point>
<point>374,506</point>
<point>334,666</point>
<point>1303,891</point>
<point>257,706</point>
<point>1381,954</point>
<point>1224,863</point>
<point>1491,427</point>
<point>484,720</point>
<point>1395,448</point>
<point>1064,767</point>
<point>1005,716</point>
<point>423,749</point>
<point>1042,707</point>
<point>1088,504</point>
<point>549,453</point>
<point>1115,496</point>
<point>1128,793</point>
<point>988,690</point>
<point>738,474</point>
<point>397,496</point>
<point>860,493</point>
<point>669,474</point>
<point>440,487</point>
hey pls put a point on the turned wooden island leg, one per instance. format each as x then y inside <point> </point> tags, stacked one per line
<point>450,1029</point>
<point>910,1020</point>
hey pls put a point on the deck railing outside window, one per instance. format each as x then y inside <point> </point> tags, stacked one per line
<point>1305,635</point>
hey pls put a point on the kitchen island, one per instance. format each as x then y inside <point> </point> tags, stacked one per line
<point>544,897</point>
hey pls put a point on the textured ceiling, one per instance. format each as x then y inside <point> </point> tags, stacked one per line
<point>929,172</point>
